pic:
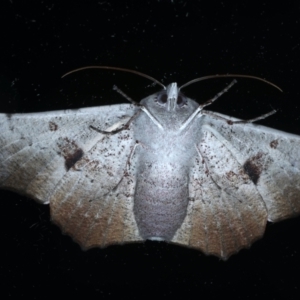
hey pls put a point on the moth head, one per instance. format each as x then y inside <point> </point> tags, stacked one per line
<point>169,107</point>
<point>170,100</point>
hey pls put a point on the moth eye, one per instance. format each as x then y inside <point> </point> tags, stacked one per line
<point>162,99</point>
<point>181,101</point>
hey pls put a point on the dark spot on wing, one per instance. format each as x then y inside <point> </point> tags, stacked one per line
<point>73,158</point>
<point>274,144</point>
<point>53,126</point>
<point>254,166</point>
<point>71,152</point>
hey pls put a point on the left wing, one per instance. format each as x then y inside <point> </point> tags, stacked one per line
<point>244,175</point>
<point>57,158</point>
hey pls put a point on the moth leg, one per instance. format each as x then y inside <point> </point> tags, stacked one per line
<point>217,96</point>
<point>127,166</point>
<point>270,113</point>
<point>208,102</point>
<point>115,88</point>
<point>120,126</point>
<point>143,108</point>
<point>230,122</point>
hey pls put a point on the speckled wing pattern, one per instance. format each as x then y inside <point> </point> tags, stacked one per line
<point>242,176</point>
<point>245,174</point>
<point>57,158</point>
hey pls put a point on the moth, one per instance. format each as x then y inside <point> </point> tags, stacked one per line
<point>163,169</point>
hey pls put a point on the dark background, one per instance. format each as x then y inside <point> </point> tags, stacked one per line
<point>171,41</point>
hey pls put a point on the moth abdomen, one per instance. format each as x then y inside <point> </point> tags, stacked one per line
<point>161,199</point>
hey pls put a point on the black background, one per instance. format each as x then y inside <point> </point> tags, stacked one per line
<point>171,41</point>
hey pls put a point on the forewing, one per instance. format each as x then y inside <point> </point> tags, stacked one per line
<point>271,159</point>
<point>57,157</point>
<point>245,174</point>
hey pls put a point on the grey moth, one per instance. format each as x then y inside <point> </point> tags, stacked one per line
<point>163,169</point>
